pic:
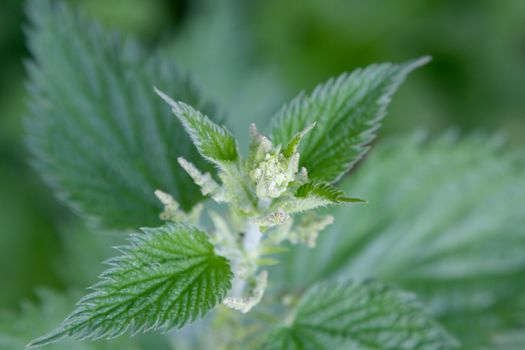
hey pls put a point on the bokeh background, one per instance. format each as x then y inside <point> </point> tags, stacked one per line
<point>251,56</point>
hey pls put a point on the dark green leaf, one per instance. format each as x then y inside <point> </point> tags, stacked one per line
<point>445,220</point>
<point>325,192</point>
<point>166,278</point>
<point>213,141</point>
<point>347,112</point>
<point>316,194</point>
<point>360,316</point>
<point>99,134</point>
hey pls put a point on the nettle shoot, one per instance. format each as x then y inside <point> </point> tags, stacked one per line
<point>169,276</point>
<point>263,193</point>
<point>116,154</point>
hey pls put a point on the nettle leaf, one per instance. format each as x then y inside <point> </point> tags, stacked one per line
<point>292,146</point>
<point>445,220</point>
<point>325,192</point>
<point>32,319</point>
<point>360,316</point>
<point>98,132</point>
<point>317,194</point>
<point>347,112</point>
<point>166,278</point>
<point>213,141</point>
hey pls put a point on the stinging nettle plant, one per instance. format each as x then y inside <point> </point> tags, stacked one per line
<point>175,272</point>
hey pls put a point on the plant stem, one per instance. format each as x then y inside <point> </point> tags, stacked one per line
<point>251,241</point>
<point>252,238</point>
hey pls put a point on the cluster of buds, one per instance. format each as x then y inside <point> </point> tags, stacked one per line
<point>269,169</point>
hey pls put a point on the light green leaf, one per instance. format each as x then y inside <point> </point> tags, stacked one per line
<point>445,220</point>
<point>166,278</point>
<point>359,316</point>
<point>213,141</point>
<point>98,133</point>
<point>347,112</point>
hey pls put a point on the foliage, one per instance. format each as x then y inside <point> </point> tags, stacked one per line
<point>443,220</point>
<point>15,329</point>
<point>347,112</point>
<point>351,315</point>
<point>108,146</point>
<point>96,129</point>
<point>165,278</point>
<point>214,143</point>
<point>322,190</point>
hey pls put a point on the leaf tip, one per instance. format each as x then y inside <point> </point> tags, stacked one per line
<point>355,200</point>
<point>46,339</point>
<point>418,62</point>
<point>166,98</point>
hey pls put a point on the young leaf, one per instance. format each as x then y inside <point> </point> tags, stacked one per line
<point>445,220</point>
<point>350,315</point>
<point>347,112</point>
<point>166,278</point>
<point>98,133</point>
<point>213,141</point>
<point>324,191</point>
<point>317,194</point>
<point>291,148</point>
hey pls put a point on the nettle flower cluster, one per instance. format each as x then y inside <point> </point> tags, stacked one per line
<point>269,198</point>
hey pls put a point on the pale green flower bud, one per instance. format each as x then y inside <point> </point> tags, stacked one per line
<point>245,304</point>
<point>272,175</point>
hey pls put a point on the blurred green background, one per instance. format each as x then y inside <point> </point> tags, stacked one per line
<point>251,56</point>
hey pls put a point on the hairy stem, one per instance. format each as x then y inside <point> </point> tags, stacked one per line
<point>252,238</point>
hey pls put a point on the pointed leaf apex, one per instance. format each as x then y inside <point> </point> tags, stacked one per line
<point>169,100</point>
<point>180,260</point>
<point>348,109</point>
<point>291,148</point>
<point>418,62</point>
<point>214,142</point>
<point>353,200</point>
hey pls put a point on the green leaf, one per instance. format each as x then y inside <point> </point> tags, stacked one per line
<point>445,220</point>
<point>291,148</point>
<point>166,278</point>
<point>98,133</point>
<point>360,316</point>
<point>347,112</point>
<point>213,141</point>
<point>17,328</point>
<point>324,192</point>
<point>317,194</point>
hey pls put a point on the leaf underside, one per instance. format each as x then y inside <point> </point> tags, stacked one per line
<point>166,278</point>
